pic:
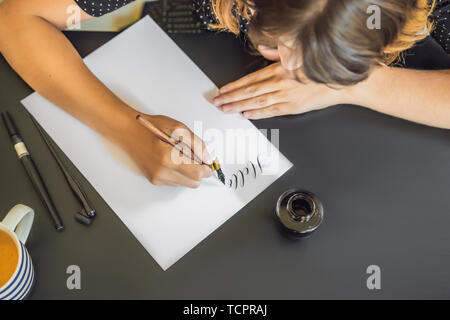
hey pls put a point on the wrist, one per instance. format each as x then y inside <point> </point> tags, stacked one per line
<point>360,93</point>
<point>118,122</point>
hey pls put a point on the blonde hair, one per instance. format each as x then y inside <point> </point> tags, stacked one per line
<point>404,22</point>
<point>416,28</point>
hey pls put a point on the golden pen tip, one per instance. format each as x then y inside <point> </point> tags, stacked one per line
<point>215,165</point>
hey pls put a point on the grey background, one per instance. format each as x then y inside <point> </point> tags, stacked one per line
<point>384,183</point>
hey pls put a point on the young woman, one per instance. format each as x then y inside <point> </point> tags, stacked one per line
<point>325,54</point>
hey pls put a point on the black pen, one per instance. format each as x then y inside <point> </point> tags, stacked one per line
<point>87,213</point>
<point>31,170</point>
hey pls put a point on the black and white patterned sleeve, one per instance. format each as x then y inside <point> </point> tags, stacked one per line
<point>441,17</point>
<point>205,13</point>
<point>97,8</point>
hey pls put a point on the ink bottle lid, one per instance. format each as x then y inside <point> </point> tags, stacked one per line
<point>300,212</point>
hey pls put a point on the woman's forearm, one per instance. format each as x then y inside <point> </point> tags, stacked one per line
<point>47,61</point>
<point>416,95</point>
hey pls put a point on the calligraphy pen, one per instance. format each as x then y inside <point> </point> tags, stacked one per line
<point>87,212</point>
<point>180,146</point>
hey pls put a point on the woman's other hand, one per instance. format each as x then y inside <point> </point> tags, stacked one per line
<point>274,91</point>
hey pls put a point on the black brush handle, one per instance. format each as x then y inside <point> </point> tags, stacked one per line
<point>41,190</point>
<point>71,180</point>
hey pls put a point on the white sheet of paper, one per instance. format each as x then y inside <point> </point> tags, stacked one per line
<point>146,69</point>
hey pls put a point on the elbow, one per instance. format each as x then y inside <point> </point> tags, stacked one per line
<point>2,27</point>
<point>8,19</point>
<point>10,11</point>
<point>3,23</point>
<point>3,19</point>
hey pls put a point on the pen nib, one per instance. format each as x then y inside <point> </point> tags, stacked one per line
<point>216,167</point>
<point>221,176</point>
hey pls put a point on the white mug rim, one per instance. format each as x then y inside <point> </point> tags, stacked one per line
<point>19,253</point>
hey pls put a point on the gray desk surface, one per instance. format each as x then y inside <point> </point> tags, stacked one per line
<point>384,183</point>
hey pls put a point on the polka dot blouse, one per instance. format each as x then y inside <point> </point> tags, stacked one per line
<point>97,8</point>
<point>441,16</point>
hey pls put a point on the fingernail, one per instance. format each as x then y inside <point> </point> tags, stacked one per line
<point>248,115</point>
<point>227,108</point>
<point>217,102</point>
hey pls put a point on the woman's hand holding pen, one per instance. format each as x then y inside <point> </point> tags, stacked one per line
<point>159,161</point>
<point>274,91</point>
